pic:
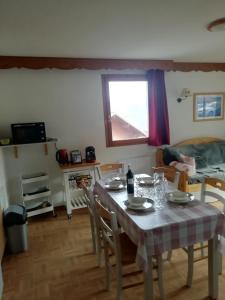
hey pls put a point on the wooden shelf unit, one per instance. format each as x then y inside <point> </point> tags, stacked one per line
<point>16,146</point>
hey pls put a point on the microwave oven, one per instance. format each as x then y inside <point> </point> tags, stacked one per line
<point>25,133</point>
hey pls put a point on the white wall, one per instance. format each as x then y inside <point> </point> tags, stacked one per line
<point>70,103</point>
<point>3,186</point>
<point>181,114</point>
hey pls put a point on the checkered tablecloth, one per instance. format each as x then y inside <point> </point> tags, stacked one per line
<point>169,227</point>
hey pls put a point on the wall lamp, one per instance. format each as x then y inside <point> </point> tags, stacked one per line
<point>185,93</point>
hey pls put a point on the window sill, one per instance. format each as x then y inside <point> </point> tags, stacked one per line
<point>127,142</point>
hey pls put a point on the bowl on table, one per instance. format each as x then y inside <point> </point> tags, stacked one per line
<point>136,201</point>
<point>179,197</point>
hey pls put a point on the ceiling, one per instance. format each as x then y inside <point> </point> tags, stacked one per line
<point>135,29</point>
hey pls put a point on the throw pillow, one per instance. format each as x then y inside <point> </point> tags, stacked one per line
<point>183,167</point>
<point>170,154</point>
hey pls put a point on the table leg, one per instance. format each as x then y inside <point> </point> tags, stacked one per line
<point>148,281</point>
<point>67,195</point>
<point>213,283</point>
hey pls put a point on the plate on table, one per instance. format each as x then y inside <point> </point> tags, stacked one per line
<point>179,197</point>
<point>139,203</point>
<point>115,186</point>
<point>119,179</point>
<point>146,181</point>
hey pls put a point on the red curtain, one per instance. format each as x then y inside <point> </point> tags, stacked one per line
<point>159,131</point>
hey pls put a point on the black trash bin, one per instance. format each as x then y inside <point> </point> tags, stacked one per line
<point>15,223</point>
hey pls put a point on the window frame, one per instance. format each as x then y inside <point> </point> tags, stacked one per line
<point>107,111</point>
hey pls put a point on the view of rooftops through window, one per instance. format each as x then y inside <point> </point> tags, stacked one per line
<point>129,109</point>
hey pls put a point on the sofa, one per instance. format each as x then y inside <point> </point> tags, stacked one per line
<point>208,153</point>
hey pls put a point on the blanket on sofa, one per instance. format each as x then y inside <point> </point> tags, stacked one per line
<point>209,159</point>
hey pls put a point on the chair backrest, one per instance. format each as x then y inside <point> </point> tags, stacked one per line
<point>107,170</point>
<point>171,174</point>
<point>89,200</point>
<point>218,185</point>
<point>109,228</point>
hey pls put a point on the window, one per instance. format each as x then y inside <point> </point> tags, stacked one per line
<point>125,100</point>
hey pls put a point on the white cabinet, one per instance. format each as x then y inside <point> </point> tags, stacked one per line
<point>73,174</point>
<point>76,192</point>
<point>36,194</point>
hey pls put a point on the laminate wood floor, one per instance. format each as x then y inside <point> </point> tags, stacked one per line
<point>60,265</point>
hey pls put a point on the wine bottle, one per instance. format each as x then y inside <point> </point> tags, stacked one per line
<point>130,181</point>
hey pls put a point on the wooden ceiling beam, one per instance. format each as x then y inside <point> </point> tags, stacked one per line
<point>198,66</point>
<point>66,63</point>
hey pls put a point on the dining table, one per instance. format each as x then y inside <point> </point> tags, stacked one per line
<point>166,226</point>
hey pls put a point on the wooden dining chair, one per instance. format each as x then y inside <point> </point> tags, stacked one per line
<point>95,232</point>
<point>91,211</point>
<point>118,243</point>
<point>106,170</point>
<point>219,186</point>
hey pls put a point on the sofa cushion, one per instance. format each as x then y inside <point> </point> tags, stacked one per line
<point>217,171</point>
<point>204,154</point>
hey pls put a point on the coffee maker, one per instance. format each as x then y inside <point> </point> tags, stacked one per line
<point>90,154</point>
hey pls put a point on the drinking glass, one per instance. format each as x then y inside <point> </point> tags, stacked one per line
<point>142,190</point>
<point>160,189</point>
<point>138,190</point>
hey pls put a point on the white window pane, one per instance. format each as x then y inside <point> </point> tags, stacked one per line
<point>129,109</point>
